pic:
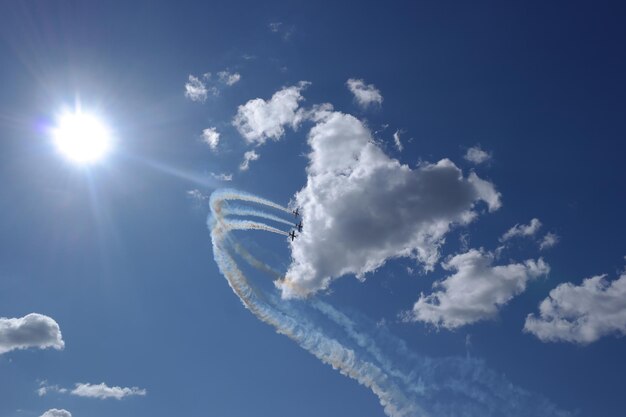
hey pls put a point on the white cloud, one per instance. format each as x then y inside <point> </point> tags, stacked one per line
<point>548,241</point>
<point>361,207</point>
<point>521,230</point>
<point>396,140</point>
<point>259,120</point>
<point>195,89</point>
<point>476,155</point>
<point>364,94</point>
<point>211,137</point>
<point>199,88</point>
<point>581,313</point>
<point>476,290</point>
<point>54,412</point>
<point>44,389</point>
<point>31,331</point>
<point>102,391</point>
<point>229,78</point>
<point>247,157</point>
<point>222,176</point>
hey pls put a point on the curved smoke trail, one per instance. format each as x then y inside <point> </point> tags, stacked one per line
<point>309,337</point>
<point>421,387</point>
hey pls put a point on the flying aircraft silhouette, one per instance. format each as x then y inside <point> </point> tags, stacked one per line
<point>296,212</point>
<point>299,226</point>
<point>292,235</point>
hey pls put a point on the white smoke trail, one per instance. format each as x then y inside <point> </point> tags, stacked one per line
<point>240,211</point>
<point>250,225</point>
<point>229,194</point>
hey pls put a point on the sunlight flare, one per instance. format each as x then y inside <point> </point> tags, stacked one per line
<point>82,137</point>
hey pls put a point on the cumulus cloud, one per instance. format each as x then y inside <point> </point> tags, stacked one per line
<point>548,241</point>
<point>521,230</point>
<point>195,89</point>
<point>31,331</point>
<point>476,155</point>
<point>211,137</point>
<point>361,207</point>
<point>364,94</point>
<point>581,313</point>
<point>54,412</point>
<point>247,158</point>
<point>102,391</point>
<point>476,290</point>
<point>259,120</point>
<point>396,140</point>
<point>229,78</point>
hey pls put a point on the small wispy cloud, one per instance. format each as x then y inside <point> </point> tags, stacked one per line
<point>195,89</point>
<point>275,26</point>
<point>100,391</point>
<point>211,137</point>
<point>222,176</point>
<point>522,230</point>
<point>548,241</point>
<point>199,88</point>
<point>365,95</point>
<point>247,158</point>
<point>229,78</point>
<point>45,388</point>
<point>103,391</point>
<point>197,195</point>
<point>279,28</point>
<point>396,140</point>
<point>476,155</point>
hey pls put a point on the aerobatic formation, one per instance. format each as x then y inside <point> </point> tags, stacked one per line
<point>406,383</point>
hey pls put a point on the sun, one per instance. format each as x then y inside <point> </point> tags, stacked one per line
<point>82,137</point>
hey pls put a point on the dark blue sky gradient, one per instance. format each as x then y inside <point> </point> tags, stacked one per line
<point>121,258</point>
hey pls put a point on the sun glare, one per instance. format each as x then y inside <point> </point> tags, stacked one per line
<point>81,137</point>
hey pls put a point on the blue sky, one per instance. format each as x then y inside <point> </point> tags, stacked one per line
<point>113,297</point>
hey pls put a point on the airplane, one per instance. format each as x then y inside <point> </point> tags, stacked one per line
<point>292,235</point>
<point>296,212</point>
<point>299,226</point>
